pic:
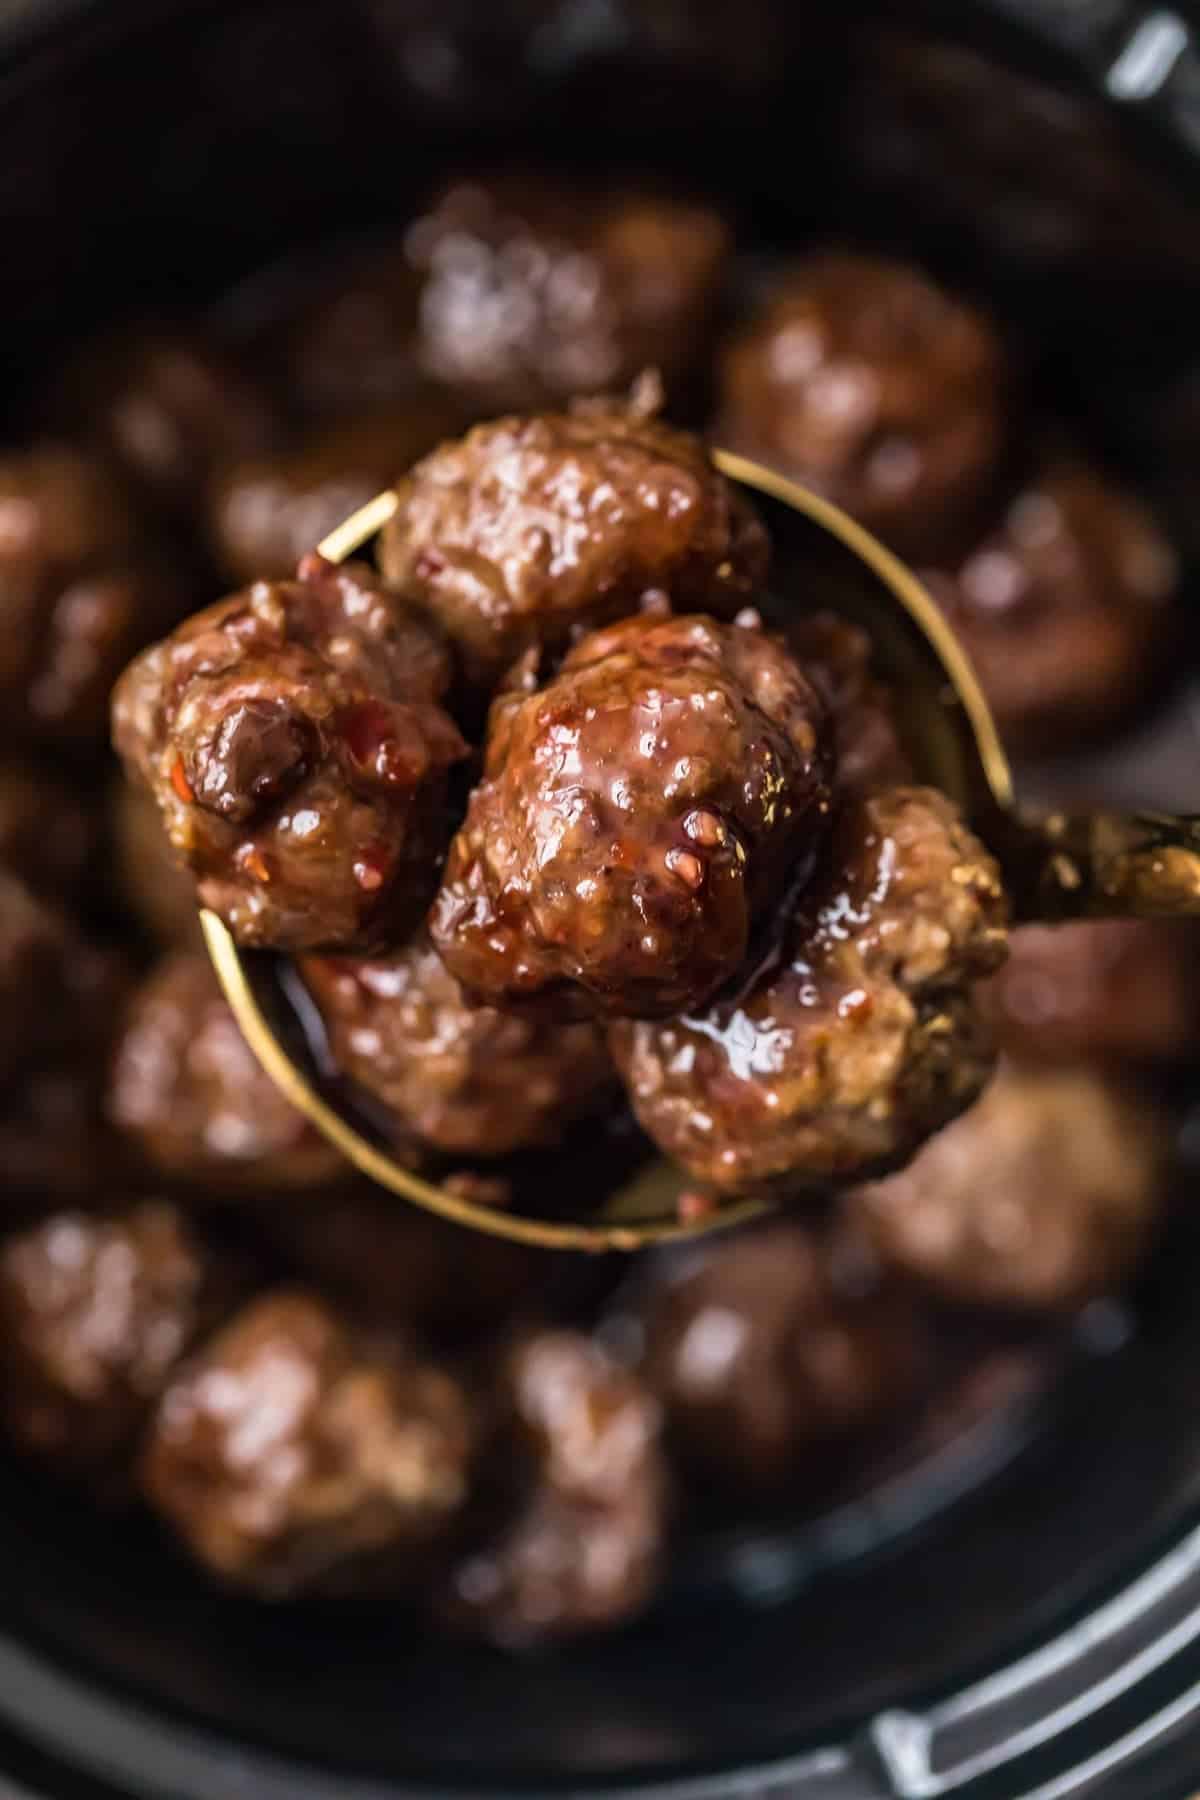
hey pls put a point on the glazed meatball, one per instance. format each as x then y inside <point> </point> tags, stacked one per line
<point>1114,989</point>
<point>402,1268</point>
<point>865,380</point>
<point>95,1312</point>
<point>861,1035</point>
<point>49,833</point>
<point>188,1090</point>
<point>582,1545</point>
<point>533,291</point>
<point>291,1455</point>
<point>1043,1195</point>
<point>514,292</point>
<point>461,1078</point>
<point>156,889</point>
<point>636,817</point>
<point>530,530</point>
<point>264,515</point>
<point>292,739</point>
<point>168,408</point>
<point>772,1350</point>
<point>1065,608</point>
<point>81,589</point>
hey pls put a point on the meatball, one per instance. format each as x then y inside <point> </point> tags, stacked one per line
<point>187,1088</point>
<point>1045,1194</point>
<point>80,590</point>
<point>775,1350</point>
<point>530,530</point>
<point>400,1267</point>
<point>95,1312</point>
<point>156,889</point>
<point>514,292</point>
<point>532,291</point>
<point>463,1079</point>
<point>292,739</point>
<point>1113,989</point>
<point>581,1545</point>
<point>859,1036</point>
<point>636,817</point>
<point>265,514</point>
<point>49,833</point>
<point>866,381</point>
<point>167,407</point>
<point>292,1455</point>
<point>1065,608</point>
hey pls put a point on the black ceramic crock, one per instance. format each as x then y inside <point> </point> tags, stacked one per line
<point>1024,1618</point>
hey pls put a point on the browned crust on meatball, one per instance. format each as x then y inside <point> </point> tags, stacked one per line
<point>292,1455</point>
<point>636,816</point>
<point>1064,607</point>
<point>292,738</point>
<point>462,1078</point>
<point>1043,1195</point>
<point>530,530</point>
<point>860,1036</point>
<point>96,1313</point>
<point>189,1091</point>
<point>867,381</point>
<point>582,1542</point>
<point>774,1349</point>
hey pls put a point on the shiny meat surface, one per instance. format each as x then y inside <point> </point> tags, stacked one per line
<point>291,1455</point>
<point>292,738</point>
<point>82,587</point>
<point>774,1350</point>
<point>462,1078</point>
<point>530,530</point>
<point>95,1312</point>
<point>1043,1195</point>
<point>532,292</point>
<point>863,379</point>
<point>187,1089</point>
<point>636,817</point>
<point>1064,607</point>
<point>858,1036</point>
<point>265,514</point>
<point>582,1543</point>
<point>1119,990</point>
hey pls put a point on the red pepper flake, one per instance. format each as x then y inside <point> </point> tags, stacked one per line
<point>693,1205</point>
<point>251,861</point>
<point>370,869</point>
<point>181,784</point>
<point>428,564</point>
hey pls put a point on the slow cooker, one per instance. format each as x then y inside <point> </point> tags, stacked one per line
<point>1020,1616</point>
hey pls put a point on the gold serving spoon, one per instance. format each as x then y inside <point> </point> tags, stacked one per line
<point>1057,866</point>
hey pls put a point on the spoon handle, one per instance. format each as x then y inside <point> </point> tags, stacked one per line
<point>1088,865</point>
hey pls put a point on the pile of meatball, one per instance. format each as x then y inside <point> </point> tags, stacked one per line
<point>571,823</point>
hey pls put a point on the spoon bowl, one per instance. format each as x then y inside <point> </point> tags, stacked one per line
<point>1055,867</point>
